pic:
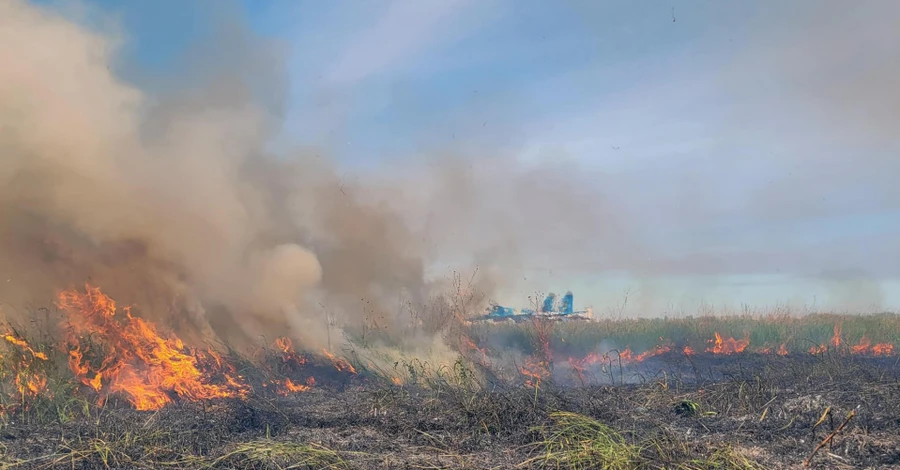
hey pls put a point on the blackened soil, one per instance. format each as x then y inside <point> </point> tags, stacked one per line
<point>769,411</point>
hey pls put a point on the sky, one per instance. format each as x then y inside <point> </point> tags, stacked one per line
<point>724,153</point>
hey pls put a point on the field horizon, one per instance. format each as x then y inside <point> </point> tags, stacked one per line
<point>542,389</point>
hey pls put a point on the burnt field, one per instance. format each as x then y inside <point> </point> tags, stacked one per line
<point>98,386</point>
<point>274,235</point>
<point>738,411</point>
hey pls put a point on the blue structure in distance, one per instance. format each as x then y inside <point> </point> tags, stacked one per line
<point>552,306</point>
<point>566,308</point>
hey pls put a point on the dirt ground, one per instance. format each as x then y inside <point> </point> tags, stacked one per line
<point>759,412</point>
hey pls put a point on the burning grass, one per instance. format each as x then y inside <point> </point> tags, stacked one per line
<point>765,334</point>
<point>119,392</point>
<point>771,413</point>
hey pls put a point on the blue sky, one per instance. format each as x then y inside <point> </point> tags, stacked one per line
<point>742,153</point>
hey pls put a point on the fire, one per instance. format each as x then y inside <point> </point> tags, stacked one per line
<point>469,345</point>
<point>9,337</point>
<point>653,352</point>
<point>535,371</point>
<point>30,380</point>
<point>30,386</point>
<point>720,345</point>
<point>112,352</point>
<point>578,365</point>
<point>728,345</point>
<point>865,347</point>
<point>590,359</point>
<point>835,342</point>
<point>286,346</point>
<point>627,356</point>
<point>288,386</point>
<point>82,371</point>
<point>339,363</point>
<point>836,339</point>
<point>134,359</point>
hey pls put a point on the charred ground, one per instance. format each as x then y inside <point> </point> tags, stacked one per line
<point>762,411</point>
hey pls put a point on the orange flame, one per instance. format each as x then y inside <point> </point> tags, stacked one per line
<point>836,339</point>
<point>470,345</point>
<point>29,382</point>
<point>535,371</point>
<point>651,353</point>
<point>835,342</point>
<point>136,361</point>
<point>339,363</point>
<point>578,365</point>
<point>288,387</point>
<point>865,347</point>
<point>12,339</point>
<point>30,385</point>
<point>286,346</point>
<point>728,345</point>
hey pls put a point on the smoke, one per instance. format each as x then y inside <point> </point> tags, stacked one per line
<point>165,192</point>
<point>168,199</point>
<point>819,81</point>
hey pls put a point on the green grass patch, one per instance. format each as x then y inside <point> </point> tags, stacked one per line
<point>574,441</point>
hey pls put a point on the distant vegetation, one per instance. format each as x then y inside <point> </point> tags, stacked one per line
<point>764,333</point>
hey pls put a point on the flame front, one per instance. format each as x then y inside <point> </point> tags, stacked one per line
<point>111,352</point>
<point>865,346</point>
<point>131,358</point>
<point>728,345</point>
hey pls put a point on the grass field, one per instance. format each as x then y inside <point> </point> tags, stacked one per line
<point>691,404</point>
<point>796,333</point>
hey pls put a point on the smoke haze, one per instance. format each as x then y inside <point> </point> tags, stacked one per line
<point>170,201</point>
<point>168,194</point>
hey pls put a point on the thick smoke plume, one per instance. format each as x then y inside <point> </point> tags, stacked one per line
<point>170,198</point>
<point>170,202</point>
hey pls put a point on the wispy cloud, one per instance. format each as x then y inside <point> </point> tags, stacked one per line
<point>396,36</point>
<point>724,140</point>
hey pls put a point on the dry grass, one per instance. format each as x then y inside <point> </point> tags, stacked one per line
<point>464,414</point>
<point>576,442</point>
<point>797,333</point>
